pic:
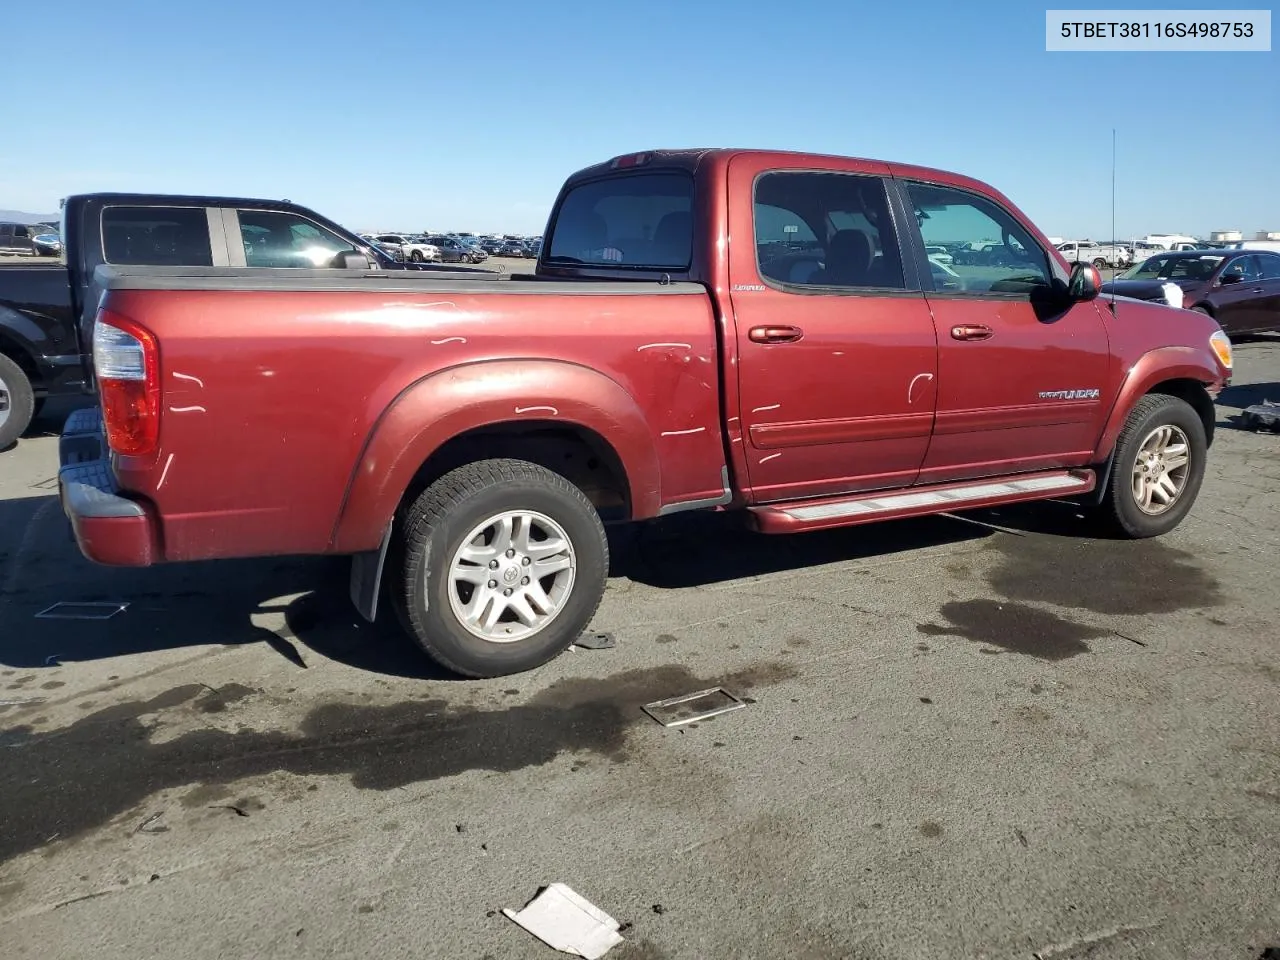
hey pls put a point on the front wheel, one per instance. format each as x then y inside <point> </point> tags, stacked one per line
<point>416,256</point>
<point>1158,467</point>
<point>502,564</point>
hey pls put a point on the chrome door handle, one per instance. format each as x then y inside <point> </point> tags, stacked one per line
<point>779,334</point>
<point>971,331</point>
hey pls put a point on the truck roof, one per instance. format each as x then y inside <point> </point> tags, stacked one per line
<point>693,157</point>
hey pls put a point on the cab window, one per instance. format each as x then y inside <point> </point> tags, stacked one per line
<point>828,231</point>
<point>990,252</point>
<point>277,239</point>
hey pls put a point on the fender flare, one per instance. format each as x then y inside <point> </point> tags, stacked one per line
<point>1152,368</point>
<point>448,403</point>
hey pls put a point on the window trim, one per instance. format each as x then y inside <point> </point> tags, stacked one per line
<point>910,269</point>
<point>917,235</point>
<point>102,225</point>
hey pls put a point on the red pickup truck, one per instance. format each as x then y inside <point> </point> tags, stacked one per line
<point>708,329</point>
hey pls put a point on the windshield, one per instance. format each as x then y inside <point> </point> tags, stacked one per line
<point>641,220</point>
<point>1174,267</point>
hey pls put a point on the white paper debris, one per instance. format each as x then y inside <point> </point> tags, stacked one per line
<point>567,922</point>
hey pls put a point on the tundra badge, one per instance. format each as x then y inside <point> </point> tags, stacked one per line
<point>1091,394</point>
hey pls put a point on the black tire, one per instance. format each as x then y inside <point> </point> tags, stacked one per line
<point>416,256</point>
<point>1202,309</point>
<point>1119,506</point>
<point>432,530</point>
<point>1099,263</point>
<point>17,399</point>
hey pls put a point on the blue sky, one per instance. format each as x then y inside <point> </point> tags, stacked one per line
<point>468,114</point>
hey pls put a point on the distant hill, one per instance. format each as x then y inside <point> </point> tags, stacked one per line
<point>17,216</point>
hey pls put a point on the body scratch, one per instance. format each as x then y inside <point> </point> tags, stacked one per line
<point>681,433</point>
<point>772,406</point>
<point>437,343</point>
<point>914,380</point>
<point>188,410</point>
<point>551,410</point>
<point>769,457</point>
<point>187,376</point>
<point>654,346</point>
<point>165,472</point>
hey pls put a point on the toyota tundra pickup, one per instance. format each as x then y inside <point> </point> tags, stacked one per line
<point>703,330</point>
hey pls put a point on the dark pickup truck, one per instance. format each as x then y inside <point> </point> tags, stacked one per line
<point>46,309</point>
<point>703,330</point>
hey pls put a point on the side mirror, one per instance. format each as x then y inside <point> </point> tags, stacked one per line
<point>352,260</point>
<point>1085,282</point>
<point>1227,278</point>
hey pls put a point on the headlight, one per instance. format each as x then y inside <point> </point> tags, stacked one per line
<point>1220,344</point>
<point>1172,294</point>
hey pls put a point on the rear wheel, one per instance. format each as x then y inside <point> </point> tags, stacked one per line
<point>1099,262</point>
<point>1158,467</point>
<point>502,564</point>
<point>17,402</point>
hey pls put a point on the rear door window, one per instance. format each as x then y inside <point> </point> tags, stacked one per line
<point>640,220</point>
<point>156,236</point>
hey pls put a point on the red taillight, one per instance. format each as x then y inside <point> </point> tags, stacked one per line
<point>126,364</point>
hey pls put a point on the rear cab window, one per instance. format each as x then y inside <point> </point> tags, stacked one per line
<point>641,221</point>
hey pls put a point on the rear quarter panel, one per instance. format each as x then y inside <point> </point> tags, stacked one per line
<point>281,406</point>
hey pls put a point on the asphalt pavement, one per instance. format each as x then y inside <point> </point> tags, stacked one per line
<point>984,736</point>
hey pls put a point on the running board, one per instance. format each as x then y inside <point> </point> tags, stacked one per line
<point>801,515</point>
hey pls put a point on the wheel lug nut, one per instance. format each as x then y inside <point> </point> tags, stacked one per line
<point>526,561</point>
<point>493,564</point>
<point>511,553</point>
<point>506,592</point>
<point>524,582</point>
<point>492,584</point>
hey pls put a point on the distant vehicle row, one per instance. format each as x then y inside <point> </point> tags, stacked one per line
<point>41,239</point>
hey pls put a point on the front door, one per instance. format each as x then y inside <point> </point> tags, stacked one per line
<point>836,352</point>
<point>1022,372</point>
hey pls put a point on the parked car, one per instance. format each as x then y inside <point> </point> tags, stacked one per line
<point>513,248</point>
<point>478,253</point>
<point>419,250</point>
<point>1240,289</point>
<point>453,250</point>
<point>393,244</point>
<point>491,245</point>
<point>1100,255</point>
<point>47,309</point>
<point>487,430</point>
<point>18,237</point>
<point>46,245</point>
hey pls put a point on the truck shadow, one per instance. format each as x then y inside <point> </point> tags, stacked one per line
<point>230,603</point>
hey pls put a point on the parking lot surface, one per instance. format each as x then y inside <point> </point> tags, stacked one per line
<point>983,736</point>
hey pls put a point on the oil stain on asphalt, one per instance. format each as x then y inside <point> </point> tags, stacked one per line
<point>70,780</point>
<point>1104,576</point>
<point>1015,628</point>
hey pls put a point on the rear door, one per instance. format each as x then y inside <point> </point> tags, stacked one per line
<point>1237,294</point>
<point>1021,372</point>
<point>837,357</point>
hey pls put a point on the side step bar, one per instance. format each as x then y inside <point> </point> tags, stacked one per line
<point>801,515</point>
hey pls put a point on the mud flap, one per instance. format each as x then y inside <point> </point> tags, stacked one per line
<point>366,577</point>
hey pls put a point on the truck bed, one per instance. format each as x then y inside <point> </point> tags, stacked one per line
<point>297,405</point>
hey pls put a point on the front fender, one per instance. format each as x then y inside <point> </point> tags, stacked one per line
<point>1152,368</point>
<point>437,408</point>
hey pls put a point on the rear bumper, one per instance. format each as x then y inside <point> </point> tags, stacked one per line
<point>109,528</point>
